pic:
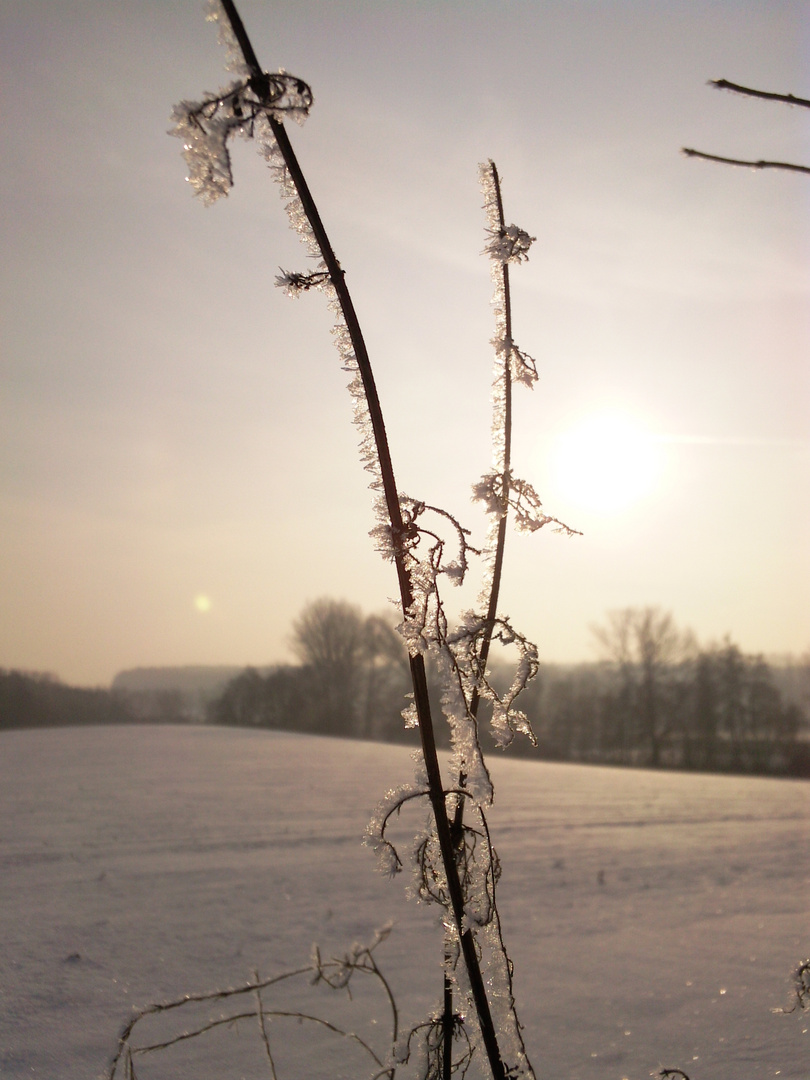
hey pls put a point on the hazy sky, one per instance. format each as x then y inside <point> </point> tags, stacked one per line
<point>179,470</point>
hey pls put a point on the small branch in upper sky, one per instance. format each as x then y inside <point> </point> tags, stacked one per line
<point>746,164</point>
<point>767,95</point>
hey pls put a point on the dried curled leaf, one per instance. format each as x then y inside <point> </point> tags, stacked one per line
<point>465,644</point>
<point>240,109</point>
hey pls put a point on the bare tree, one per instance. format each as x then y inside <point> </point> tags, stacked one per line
<point>329,633</point>
<point>329,638</point>
<point>646,646</point>
<point>356,667</point>
<point>767,95</point>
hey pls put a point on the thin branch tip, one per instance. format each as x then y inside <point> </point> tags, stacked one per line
<point>764,95</point>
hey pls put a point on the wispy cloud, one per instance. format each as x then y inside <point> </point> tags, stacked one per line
<point>731,440</point>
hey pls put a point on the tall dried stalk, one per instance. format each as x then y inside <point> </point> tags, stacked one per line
<point>499,490</point>
<point>455,863</point>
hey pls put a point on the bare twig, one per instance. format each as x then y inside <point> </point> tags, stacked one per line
<point>746,164</point>
<point>336,973</point>
<point>212,1025</point>
<point>123,1048</point>
<point>263,1030</point>
<point>767,95</point>
<point>802,981</point>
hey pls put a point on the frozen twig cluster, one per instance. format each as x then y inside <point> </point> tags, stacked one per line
<point>249,1002</point>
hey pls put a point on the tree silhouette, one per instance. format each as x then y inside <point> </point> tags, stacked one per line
<point>354,667</point>
<point>329,639</point>
<point>647,648</point>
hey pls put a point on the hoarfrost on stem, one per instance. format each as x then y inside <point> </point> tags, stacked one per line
<point>454,867</point>
<point>234,58</point>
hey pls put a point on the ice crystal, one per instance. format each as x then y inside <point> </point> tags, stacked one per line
<point>410,714</point>
<point>519,496</point>
<point>465,643</point>
<point>467,761</point>
<point>234,59</point>
<point>507,243</point>
<point>388,859</point>
<point>489,491</point>
<point>502,1004</point>
<point>295,283</point>
<point>522,367</point>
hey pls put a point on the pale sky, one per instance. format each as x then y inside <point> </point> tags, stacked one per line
<point>179,471</point>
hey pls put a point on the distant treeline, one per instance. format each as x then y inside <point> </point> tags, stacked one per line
<point>143,695</point>
<point>30,700</point>
<point>721,712</point>
<point>352,679</point>
<point>35,700</point>
<point>657,700</point>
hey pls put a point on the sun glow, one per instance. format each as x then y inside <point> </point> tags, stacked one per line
<point>606,463</point>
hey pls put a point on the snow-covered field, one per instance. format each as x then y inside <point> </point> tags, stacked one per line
<point>654,918</point>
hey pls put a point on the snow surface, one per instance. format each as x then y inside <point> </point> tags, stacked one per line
<point>654,918</point>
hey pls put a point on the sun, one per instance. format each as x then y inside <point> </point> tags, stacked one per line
<point>606,463</point>
<point>202,603</point>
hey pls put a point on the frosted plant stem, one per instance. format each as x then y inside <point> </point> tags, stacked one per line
<point>417,663</point>
<point>494,592</point>
<point>497,566</point>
